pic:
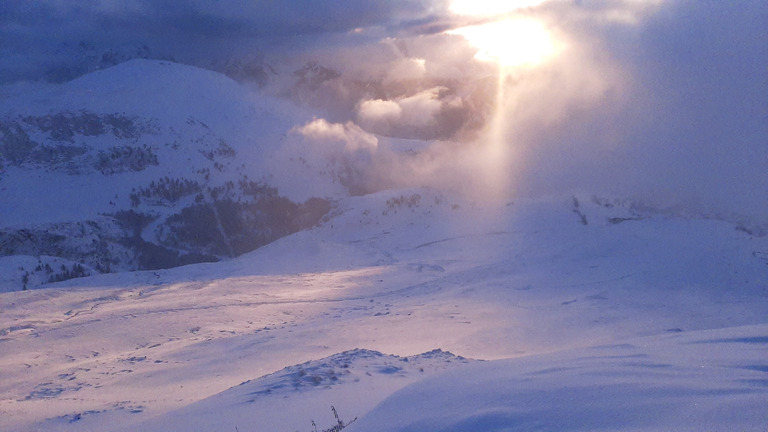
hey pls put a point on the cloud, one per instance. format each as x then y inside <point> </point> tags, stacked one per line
<point>324,159</point>
<point>47,34</point>
<point>669,107</point>
<point>428,114</point>
<point>421,108</point>
<point>418,110</point>
<point>406,69</point>
<point>351,160</point>
<point>331,135</point>
<point>705,120</point>
<point>376,112</point>
<point>665,103</point>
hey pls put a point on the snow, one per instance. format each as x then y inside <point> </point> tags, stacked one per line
<point>406,310</point>
<point>178,110</point>
<point>282,400</point>
<point>703,380</point>
<point>652,323</point>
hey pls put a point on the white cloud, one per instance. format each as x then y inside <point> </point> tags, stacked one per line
<point>352,137</point>
<point>378,110</point>
<point>406,69</point>
<point>421,108</point>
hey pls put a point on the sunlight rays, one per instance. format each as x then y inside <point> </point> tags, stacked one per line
<point>510,37</point>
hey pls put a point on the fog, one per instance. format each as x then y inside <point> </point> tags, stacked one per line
<point>662,102</point>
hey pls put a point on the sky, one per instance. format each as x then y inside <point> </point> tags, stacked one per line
<point>661,101</point>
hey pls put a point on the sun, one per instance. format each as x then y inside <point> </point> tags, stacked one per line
<point>506,36</point>
<point>510,42</point>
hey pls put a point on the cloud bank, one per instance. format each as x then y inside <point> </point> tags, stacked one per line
<point>680,116</point>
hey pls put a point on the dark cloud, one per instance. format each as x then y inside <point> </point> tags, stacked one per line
<point>39,36</point>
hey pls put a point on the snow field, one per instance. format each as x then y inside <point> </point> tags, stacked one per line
<point>595,310</point>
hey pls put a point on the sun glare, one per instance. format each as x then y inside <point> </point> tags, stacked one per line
<point>510,42</point>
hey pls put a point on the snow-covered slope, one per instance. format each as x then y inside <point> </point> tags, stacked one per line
<point>643,313</point>
<point>115,170</point>
<point>298,395</point>
<point>704,380</point>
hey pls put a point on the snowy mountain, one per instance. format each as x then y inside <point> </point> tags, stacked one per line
<point>145,165</point>
<point>207,257</point>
